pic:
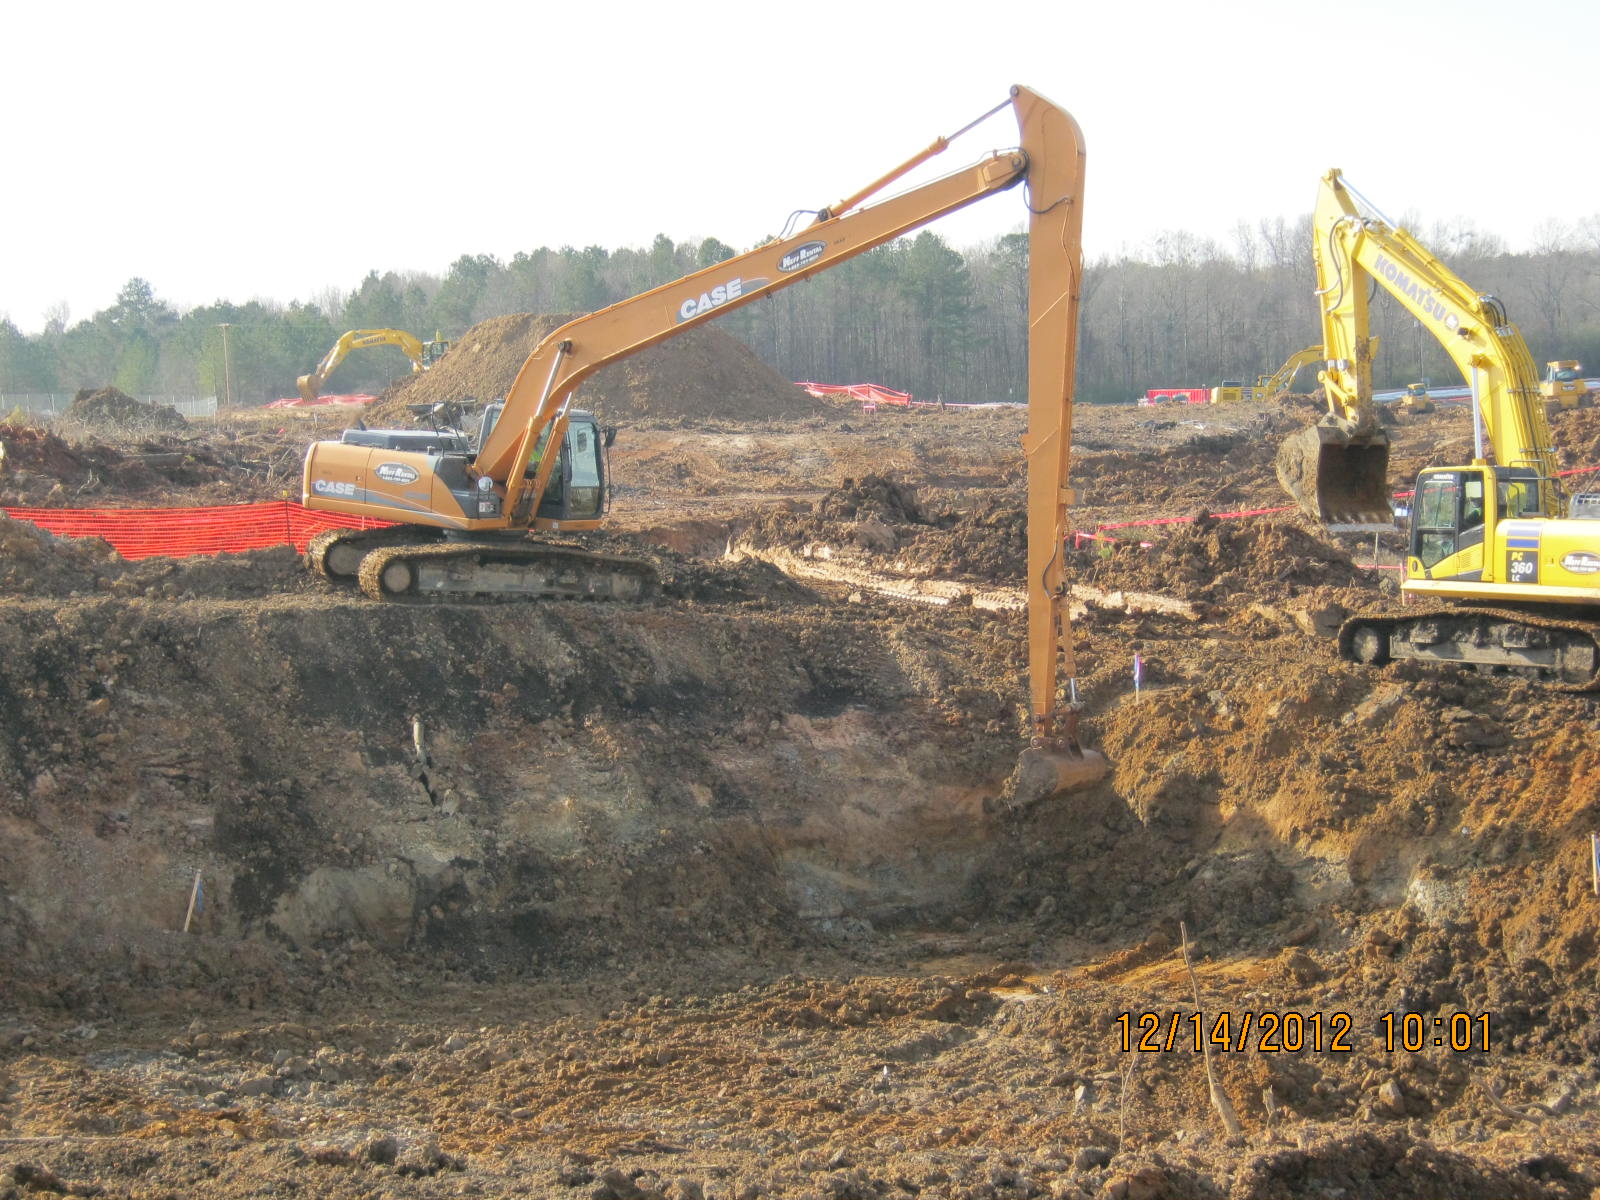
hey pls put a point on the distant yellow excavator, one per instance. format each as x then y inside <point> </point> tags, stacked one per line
<point>1268,386</point>
<point>422,355</point>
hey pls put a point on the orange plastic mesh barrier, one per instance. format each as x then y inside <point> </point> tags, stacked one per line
<point>181,532</point>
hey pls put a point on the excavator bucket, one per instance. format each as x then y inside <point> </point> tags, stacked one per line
<point>1339,480</point>
<point>1043,773</point>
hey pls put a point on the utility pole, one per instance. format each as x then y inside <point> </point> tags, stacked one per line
<point>227,368</point>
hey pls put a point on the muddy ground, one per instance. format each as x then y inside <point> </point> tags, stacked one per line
<point>718,896</point>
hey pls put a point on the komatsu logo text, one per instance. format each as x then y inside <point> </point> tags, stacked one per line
<point>1423,297</point>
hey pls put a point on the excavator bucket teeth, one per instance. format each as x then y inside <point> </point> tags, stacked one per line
<point>1044,773</point>
<point>1338,480</point>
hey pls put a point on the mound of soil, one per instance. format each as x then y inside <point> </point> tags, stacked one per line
<point>1576,432</point>
<point>702,374</point>
<point>38,469</point>
<point>27,448</point>
<point>110,407</point>
<point>1211,560</point>
<point>710,896</point>
<point>33,561</point>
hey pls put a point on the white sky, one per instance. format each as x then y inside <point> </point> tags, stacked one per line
<point>208,147</point>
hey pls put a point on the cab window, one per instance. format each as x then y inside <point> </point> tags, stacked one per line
<point>1434,521</point>
<point>583,452</point>
<point>1516,498</point>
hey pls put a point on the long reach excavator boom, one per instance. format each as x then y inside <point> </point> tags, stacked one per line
<point>540,464</point>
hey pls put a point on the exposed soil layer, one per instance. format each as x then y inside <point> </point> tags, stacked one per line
<point>714,896</point>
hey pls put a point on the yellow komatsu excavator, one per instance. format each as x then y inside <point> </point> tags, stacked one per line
<point>1502,570</point>
<point>422,355</point>
<point>1268,386</point>
<point>539,465</point>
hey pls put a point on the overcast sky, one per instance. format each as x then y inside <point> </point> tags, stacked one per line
<point>226,151</point>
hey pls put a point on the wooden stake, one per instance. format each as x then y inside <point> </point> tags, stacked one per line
<point>1219,1098</point>
<point>194,897</point>
<point>1594,860</point>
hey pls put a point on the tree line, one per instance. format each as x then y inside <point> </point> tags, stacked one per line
<point>916,314</point>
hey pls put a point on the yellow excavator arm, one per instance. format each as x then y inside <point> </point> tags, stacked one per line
<point>1338,469</point>
<point>358,339</point>
<point>1500,571</point>
<point>1268,386</point>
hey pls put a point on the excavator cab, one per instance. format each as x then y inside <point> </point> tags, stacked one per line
<point>1337,477</point>
<point>576,490</point>
<point>433,351</point>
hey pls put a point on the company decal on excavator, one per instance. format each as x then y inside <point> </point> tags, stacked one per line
<point>1522,552</point>
<point>334,487</point>
<point>1581,562</point>
<point>397,473</point>
<point>802,256</point>
<point>699,305</point>
<point>1404,284</point>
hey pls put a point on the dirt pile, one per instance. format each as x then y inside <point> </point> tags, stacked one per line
<point>1576,432</point>
<point>35,562</point>
<point>109,407</point>
<point>703,897</point>
<point>40,469</point>
<point>704,374</point>
<point>1203,558</point>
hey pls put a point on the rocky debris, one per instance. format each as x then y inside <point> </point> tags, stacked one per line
<point>138,467</point>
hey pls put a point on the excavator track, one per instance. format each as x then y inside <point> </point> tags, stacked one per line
<point>1557,653</point>
<point>454,571</point>
<point>336,554</point>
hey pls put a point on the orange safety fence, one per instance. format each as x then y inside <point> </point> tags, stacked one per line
<point>232,528</point>
<point>351,400</point>
<point>867,393</point>
<point>181,532</point>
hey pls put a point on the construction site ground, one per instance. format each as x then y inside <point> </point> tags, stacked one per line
<point>720,896</point>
